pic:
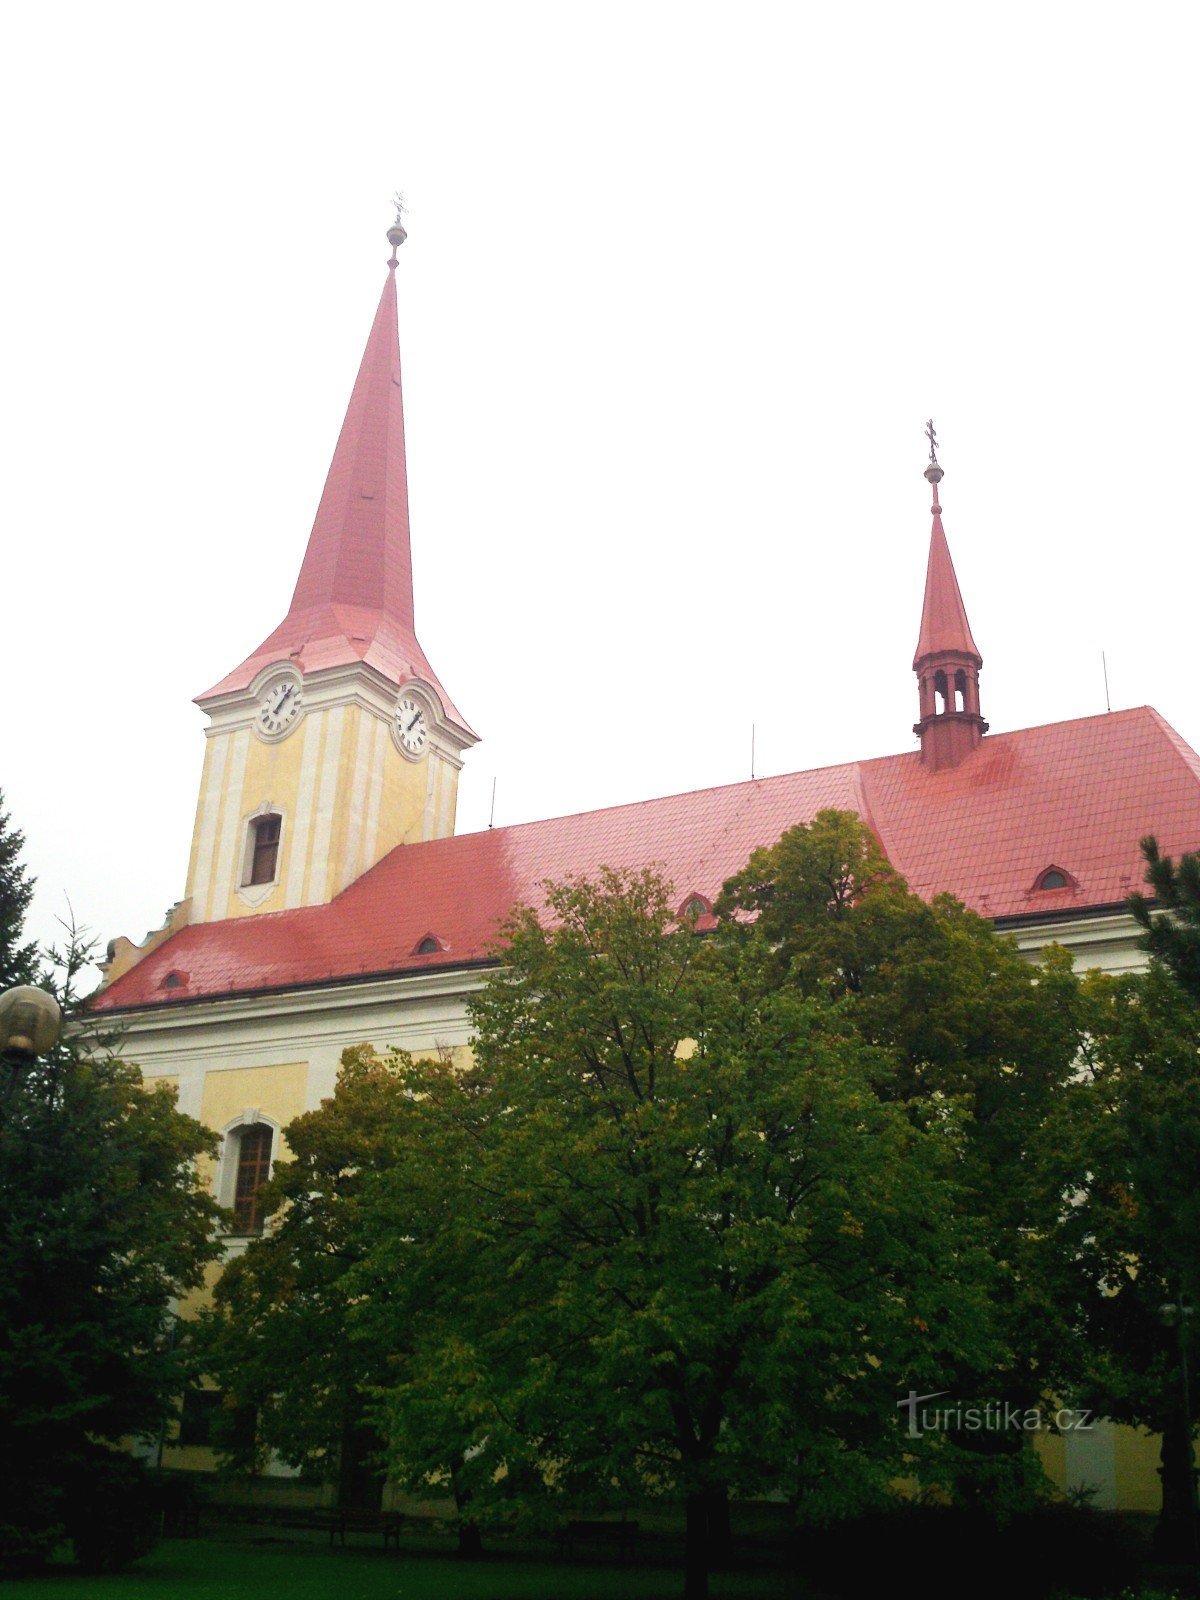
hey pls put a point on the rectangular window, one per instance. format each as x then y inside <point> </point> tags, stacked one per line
<point>253,1170</point>
<point>265,848</point>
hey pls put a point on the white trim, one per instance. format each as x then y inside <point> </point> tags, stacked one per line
<point>253,894</point>
<point>318,874</point>
<point>309,765</point>
<point>207,820</point>
<point>231,816</point>
<point>360,778</point>
<point>225,1178</point>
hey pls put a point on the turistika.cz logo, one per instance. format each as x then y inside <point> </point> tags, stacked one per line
<point>992,1416</point>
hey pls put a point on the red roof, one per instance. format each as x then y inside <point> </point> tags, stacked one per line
<point>1076,795</point>
<point>354,596</point>
<point>944,625</point>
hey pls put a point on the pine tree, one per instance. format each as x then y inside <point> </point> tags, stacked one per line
<point>105,1220</point>
<point>18,960</point>
<point>1174,938</point>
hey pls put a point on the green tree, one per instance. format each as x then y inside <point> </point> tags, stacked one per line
<point>18,957</point>
<point>281,1335</point>
<point>103,1222</point>
<point>969,1023</point>
<point>1129,1163</point>
<point>1172,918</point>
<point>685,1244</point>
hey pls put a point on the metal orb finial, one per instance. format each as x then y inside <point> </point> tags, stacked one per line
<point>396,234</point>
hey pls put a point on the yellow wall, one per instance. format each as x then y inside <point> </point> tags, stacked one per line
<point>347,797</point>
<point>280,1092</point>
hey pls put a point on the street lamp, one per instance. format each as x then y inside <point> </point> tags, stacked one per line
<point>30,1022</point>
<point>1176,1314</point>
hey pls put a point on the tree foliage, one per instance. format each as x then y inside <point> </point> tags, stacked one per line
<point>968,1022</point>
<point>103,1222</point>
<point>696,1213</point>
<point>18,957</point>
<point>1172,917</point>
<point>281,1335</point>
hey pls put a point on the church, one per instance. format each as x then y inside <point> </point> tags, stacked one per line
<point>329,901</point>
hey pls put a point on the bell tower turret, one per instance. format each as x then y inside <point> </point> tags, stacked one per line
<point>947,662</point>
<point>334,741</point>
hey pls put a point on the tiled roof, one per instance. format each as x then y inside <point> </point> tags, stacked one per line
<point>1076,795</point>
<point>944,624</point>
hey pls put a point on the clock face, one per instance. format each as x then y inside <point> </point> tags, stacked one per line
<point>278,709</point>
<point>411,727</point>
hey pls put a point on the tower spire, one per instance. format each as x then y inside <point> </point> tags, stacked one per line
<point>353,599</point>
<point>947,661</point>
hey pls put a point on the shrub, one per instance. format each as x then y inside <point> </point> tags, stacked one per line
<point>111,1511</point>
<point>948,1551</point>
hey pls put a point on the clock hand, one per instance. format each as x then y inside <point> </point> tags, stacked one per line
<point>413,723</point>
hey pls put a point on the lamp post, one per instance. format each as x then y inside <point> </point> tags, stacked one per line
<point>1177,1314</point>
<point>30,1023</point>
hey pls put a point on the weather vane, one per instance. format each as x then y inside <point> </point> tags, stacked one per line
<point>931,435</point>
<point>396,234</point>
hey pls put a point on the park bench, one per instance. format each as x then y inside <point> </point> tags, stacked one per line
<point>619,1536</point>
<point>334,1520</point>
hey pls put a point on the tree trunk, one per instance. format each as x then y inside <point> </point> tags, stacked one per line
<point>1176,1534</point>
<point>696,1554</point>
<point>470,1541</point>
<point>720,1535</point>
<point>360,1487</point>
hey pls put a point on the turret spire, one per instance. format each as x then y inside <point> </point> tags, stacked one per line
<point>947,661</point>
<point>354,597</point>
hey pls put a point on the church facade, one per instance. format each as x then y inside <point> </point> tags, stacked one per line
<point>329,902</point>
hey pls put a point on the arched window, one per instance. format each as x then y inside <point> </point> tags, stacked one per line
<point>263,848</point>
<point>941,693</point>
<point>428,947</point>
<point>960,691</point>
<point>253,1170</point>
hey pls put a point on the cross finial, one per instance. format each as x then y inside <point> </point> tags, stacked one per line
<point>396,234</point>
<point>933,473</point>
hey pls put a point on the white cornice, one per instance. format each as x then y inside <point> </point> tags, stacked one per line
<point>354,684</point>
<point>296,1004</point>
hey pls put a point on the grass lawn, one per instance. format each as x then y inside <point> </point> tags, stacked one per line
<point>211,1569</point>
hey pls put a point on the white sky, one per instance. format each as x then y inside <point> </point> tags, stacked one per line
<point>682,284</point>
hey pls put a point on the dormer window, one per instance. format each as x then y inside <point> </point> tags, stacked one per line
<point>1054,878</point>
<point>263,851</point>
<point>430,945</point>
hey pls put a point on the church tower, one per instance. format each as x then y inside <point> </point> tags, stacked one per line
<point>947,662</point>
<point>334,741</point>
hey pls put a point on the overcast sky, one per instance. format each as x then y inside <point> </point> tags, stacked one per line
<point>682,284</point>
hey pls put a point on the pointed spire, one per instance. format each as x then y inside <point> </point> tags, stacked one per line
<point>353,599</point>
<point>947,660</point>
<point>944,624</point>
